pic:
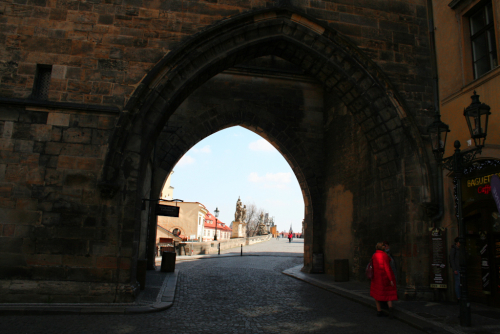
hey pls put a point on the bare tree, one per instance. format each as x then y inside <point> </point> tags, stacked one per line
<point>253,215</point>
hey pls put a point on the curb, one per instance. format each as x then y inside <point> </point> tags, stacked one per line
<point>164,300</point>
<point>410,318</point>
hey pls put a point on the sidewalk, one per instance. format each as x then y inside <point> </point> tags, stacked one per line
<point>158,295</point>
<point>429,317</point>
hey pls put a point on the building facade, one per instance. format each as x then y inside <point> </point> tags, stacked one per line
<point>223,231</point>
<point>190,223</point>
<point>467,47</point>
<point>99,101</point>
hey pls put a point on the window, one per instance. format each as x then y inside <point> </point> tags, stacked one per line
<point>482,30</point>
<point>42,82</point>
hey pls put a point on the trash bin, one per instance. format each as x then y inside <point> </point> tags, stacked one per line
<point>168,262</point>
<point>341,268</point>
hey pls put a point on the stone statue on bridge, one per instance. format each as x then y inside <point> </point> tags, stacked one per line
<point>262,230</point>
<point>237,213</point>
<point>244,214</point>
<point>239,226</point>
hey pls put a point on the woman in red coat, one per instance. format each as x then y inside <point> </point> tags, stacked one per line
<point>383,286</point>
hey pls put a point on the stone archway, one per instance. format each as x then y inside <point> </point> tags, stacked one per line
<point>342,69</point>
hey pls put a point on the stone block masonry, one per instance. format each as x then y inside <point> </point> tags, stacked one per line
<point>99,52</point>
<point>72,170</point>
<point>50,216</point>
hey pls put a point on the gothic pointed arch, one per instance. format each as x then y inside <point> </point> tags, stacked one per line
<point>342,69</point>
<point>322,52</point>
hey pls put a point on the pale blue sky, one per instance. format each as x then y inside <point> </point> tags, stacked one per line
<point>237,162</point>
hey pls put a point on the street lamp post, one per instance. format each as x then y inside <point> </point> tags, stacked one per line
<point>216,214</point>
<point>476,116</point>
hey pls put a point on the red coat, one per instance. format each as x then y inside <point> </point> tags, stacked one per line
<point>381,288</point>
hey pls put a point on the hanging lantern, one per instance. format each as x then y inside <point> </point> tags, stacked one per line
<point>476,116</point>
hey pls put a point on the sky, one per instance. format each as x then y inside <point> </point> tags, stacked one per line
<point>233,163</point>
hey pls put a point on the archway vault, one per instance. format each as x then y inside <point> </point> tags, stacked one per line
<point>322,52</point>
<point>342,69</point>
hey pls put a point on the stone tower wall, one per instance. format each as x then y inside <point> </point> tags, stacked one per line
<point>55,225</point>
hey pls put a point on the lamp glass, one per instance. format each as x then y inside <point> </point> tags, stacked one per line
<point>476,116</point>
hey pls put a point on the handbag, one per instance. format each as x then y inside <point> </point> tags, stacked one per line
<point>369,270</point>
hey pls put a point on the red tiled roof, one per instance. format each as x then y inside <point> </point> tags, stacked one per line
<point>210,223</point>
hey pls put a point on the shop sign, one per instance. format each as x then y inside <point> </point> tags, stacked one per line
<point>438,272</point>
<point>480,187</point>
<point>167,210</point>
<point>481,180</point>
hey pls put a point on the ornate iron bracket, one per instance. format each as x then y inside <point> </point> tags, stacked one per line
<point>462,159</point>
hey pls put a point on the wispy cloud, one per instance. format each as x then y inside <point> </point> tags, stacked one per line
<point>186,160</point>
<point>270,180</point>
<point>204,149</point>
<point>261,145</point>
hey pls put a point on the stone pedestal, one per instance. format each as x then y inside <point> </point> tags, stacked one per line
<point>239,230</point>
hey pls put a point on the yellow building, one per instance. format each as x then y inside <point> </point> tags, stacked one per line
<point>467,44</point>
<point>190,223</point>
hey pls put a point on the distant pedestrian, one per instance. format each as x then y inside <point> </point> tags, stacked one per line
<point>290,236</point>
<point>455,265</point>
<point>383,285</point>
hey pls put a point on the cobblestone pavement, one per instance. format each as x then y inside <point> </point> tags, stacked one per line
<point>247,294</point>
<point>279,246</point>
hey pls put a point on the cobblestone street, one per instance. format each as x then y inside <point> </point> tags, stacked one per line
<point>246,294</point>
